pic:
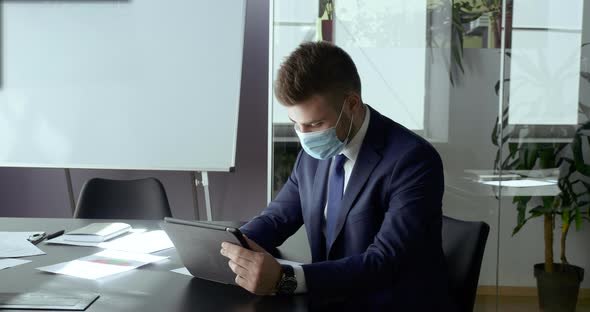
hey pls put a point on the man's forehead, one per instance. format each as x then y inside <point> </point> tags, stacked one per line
<point>314,109</point>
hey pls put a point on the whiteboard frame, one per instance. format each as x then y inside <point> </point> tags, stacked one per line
<point>270,149</point>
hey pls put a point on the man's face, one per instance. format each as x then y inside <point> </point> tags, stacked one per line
<point>316,114</point>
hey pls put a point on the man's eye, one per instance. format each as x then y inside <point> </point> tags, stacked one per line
<point>316,124</point>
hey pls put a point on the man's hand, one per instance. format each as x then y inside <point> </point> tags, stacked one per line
<point>256,270</point>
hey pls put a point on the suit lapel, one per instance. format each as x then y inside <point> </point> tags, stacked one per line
<point>366,161</point>
<point>316,211</point>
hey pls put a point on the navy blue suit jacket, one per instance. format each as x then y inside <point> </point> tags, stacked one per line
<point>387,252</point>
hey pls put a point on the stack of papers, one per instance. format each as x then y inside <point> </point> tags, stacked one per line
<point>138,241</point>
<point>16,245</point>
<point>97,232</point>
<point>147,242</point>
<point>104,263</point>
<point>60,240</point>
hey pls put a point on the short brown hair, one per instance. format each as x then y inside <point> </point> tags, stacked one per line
<point>316,68</point>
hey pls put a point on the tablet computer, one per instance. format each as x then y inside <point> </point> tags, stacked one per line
<point>43,300</point>
<point>198,245</point>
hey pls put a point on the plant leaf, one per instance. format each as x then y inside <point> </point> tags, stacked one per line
<point>565,216</point>
<point>521,217</point>
<point>538,211</point>
<point>578,219</point>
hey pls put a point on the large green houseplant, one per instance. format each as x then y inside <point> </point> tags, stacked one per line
<point>456,14</point>
<point>558,283</point>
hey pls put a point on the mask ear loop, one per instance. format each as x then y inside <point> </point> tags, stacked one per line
<point>349,129</point>
<point>340,115</point>
<point>351,120</point>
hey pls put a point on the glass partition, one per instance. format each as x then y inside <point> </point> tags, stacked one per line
<point>502,91</point>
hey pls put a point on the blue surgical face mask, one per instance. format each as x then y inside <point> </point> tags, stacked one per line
<point>323,144</point>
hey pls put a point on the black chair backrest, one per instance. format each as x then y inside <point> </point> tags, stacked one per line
<point>463,245</point>
<point>123,199</point>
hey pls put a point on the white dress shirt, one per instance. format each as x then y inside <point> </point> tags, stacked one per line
<point>351,151</point>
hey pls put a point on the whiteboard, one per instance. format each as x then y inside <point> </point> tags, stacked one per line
<point>142,84</point>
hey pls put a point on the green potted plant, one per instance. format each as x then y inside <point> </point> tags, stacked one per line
<point>557,283</point>
<point>458,13</point>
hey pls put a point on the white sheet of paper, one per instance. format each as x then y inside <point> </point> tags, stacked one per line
<point>183,271</point>
<point>147,242</point>
<point>9,263</point>
<point>521,183</point>
<point>104,263</point>
<point>141,259</point>
<point>61,241</point>
<point>15,244</point>
<point>17,235</point>
<point>85,269</point>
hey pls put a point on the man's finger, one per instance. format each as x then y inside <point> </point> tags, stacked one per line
<point>240,281</point>
<point>238,269</point>
<point>243,283</point>
<point>237,259</point>
<point>233,251</point>
<point>246,264</point>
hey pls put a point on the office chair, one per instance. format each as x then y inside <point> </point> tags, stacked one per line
<point>463,246</point>
<point>123,199</point>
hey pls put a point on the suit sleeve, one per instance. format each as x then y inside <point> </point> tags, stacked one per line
<point>281,219</point>
<point>414,194</point>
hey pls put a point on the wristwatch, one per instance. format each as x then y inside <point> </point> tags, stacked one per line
<point>288,283</point>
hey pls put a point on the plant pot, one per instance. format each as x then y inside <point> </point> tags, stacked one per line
<point>498,28</point>
<point>558,291</point>
<point>328,30</point>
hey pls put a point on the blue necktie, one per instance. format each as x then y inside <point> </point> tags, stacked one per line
<point>335,191</point>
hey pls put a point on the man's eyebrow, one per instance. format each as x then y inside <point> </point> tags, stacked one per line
<point>307,123</point>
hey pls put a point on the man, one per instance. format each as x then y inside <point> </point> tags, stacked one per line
<point>367,189</point>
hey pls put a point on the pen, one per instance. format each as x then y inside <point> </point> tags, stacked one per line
<point>37,238</point>
<point>56,234</point>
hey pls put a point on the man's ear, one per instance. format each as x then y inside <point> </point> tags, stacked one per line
<point>355,102</point>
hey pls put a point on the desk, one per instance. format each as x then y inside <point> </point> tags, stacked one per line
<point>149,288</point>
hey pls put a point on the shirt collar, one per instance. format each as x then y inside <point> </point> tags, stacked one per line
<point>352,149</point>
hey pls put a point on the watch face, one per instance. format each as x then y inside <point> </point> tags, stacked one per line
<point>289,285</point>
<point>288,282</point>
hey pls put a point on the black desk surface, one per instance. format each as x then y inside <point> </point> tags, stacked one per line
<point>150,288</point>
